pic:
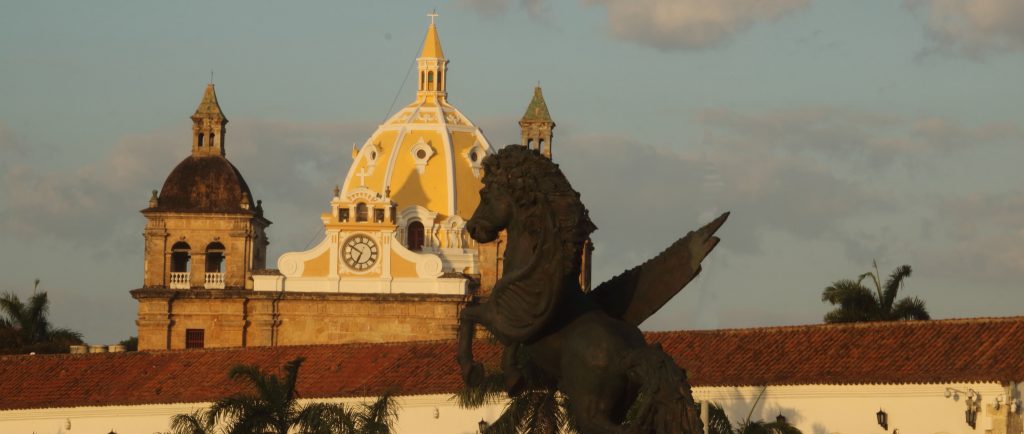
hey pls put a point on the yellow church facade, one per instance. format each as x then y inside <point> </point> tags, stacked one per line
<point>397,225</point>
<point>395,264</point>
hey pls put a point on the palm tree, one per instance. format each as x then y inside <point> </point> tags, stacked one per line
<point>857,303</point>
<point>274,409</point>
<point>718,422</point>
<point>25,327</point>
<point>538,409</point>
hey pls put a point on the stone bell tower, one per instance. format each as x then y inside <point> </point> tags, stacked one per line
<point>536,124</point>
<point>204,234</point>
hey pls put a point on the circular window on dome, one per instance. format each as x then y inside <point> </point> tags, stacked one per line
<point>473,156</point>
<point>373,155</point>
<point>421,154</point>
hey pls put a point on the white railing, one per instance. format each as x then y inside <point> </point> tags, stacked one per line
<point>214,280</point>
<point>180,281</point>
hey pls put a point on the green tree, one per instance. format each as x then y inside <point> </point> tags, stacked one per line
<point>856,303</point>
<point>24,326</point>
<point>274,409</point>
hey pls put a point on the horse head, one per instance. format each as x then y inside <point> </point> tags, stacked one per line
<point>528,195</point>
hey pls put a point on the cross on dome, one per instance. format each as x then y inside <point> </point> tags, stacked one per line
<point>432,15</point>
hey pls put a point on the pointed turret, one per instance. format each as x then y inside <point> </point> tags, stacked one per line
<point>536,124</point>
<point>433,68</point>
<point>208,126</point>
<point>432,44</point>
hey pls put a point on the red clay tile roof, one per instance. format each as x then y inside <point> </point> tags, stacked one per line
<point>984,349</point>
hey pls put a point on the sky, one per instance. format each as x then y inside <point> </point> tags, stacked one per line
<point>837,133</point>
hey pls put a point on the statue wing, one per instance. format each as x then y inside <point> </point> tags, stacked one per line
<point>639,292</point>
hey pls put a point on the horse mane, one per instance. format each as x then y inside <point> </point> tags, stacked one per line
<point>533,180</point>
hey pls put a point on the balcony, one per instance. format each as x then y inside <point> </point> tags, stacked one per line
<point>180,280</point>
<point>214,281</point>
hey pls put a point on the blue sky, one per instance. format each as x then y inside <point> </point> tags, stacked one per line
<point>837,133</point>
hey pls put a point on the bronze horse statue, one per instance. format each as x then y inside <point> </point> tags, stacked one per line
<point>586,344</point>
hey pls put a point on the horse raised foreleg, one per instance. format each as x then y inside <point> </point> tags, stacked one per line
<point>472,371</point>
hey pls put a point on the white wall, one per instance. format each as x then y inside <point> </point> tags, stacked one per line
<point>827,409</point>
<point>416,415</point>
<point>818,409</point>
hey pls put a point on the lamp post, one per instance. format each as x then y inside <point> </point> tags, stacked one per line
<point>780,419</point>
<point>482,425</point>
<point>883,419</point>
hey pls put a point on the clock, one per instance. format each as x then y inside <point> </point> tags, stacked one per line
<point>359,252</point>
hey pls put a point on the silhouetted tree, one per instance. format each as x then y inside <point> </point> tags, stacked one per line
<point>25,328</point>
<point>857,303</point>
<point>274,409</point>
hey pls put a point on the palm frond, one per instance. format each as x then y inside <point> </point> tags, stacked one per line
<point>545,417</point>
<point>379,417</point>
<point>855,302</point>
<point>12,308</point>
<point>491,389</point>
<point>910,308</point>
<point>324,418</point>
<point>893,284</point>
<point>197,422</point>
<point>241,410</point>
<point>65,336</point>
<point>267,386</point>
<point>718,422</point>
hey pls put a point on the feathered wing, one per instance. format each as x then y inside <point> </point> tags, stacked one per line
<point>639,292</point>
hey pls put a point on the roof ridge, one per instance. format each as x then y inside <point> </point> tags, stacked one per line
<point>867,324</point>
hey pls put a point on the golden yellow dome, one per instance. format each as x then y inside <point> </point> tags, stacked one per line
<point>428,154</point>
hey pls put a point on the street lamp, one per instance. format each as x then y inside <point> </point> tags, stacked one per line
<point>780,419</point>
<point>483,426</point>
<point>883,419</point>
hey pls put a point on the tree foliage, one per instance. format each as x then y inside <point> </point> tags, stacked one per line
<point>538,409</point>
<point>856,303</point>
<point>718,423</point>
<point>25,327</point>
<point>272,407</point>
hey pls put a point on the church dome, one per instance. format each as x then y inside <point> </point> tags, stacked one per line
<point>428,154</point>
<point>205,184</point>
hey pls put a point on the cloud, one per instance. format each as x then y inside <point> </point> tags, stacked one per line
<point>867,139</point>
<point>290,166</point>
<point>624,182</point>
<point>971,28</point>
<point>690,24</point>
<point>983,235</point>
<point>491,8</point>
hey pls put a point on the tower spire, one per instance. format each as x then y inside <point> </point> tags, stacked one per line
<point>433,68</point>
<point>536,124</point>
<point>208,126</point>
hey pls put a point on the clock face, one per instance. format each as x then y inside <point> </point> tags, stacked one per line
<point>360,252</point>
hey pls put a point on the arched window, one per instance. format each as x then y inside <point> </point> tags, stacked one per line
<point>212,141</point>
<point>201,135</point>
<point>362,214</point>
<point>430,80</point>
<point>180,277</point>
<point>529,143</point>
<point>215,258</point>
<point>180,257</point>
<point>414,237</point>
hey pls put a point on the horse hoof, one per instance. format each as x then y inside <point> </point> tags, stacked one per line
<point>473,374</point>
